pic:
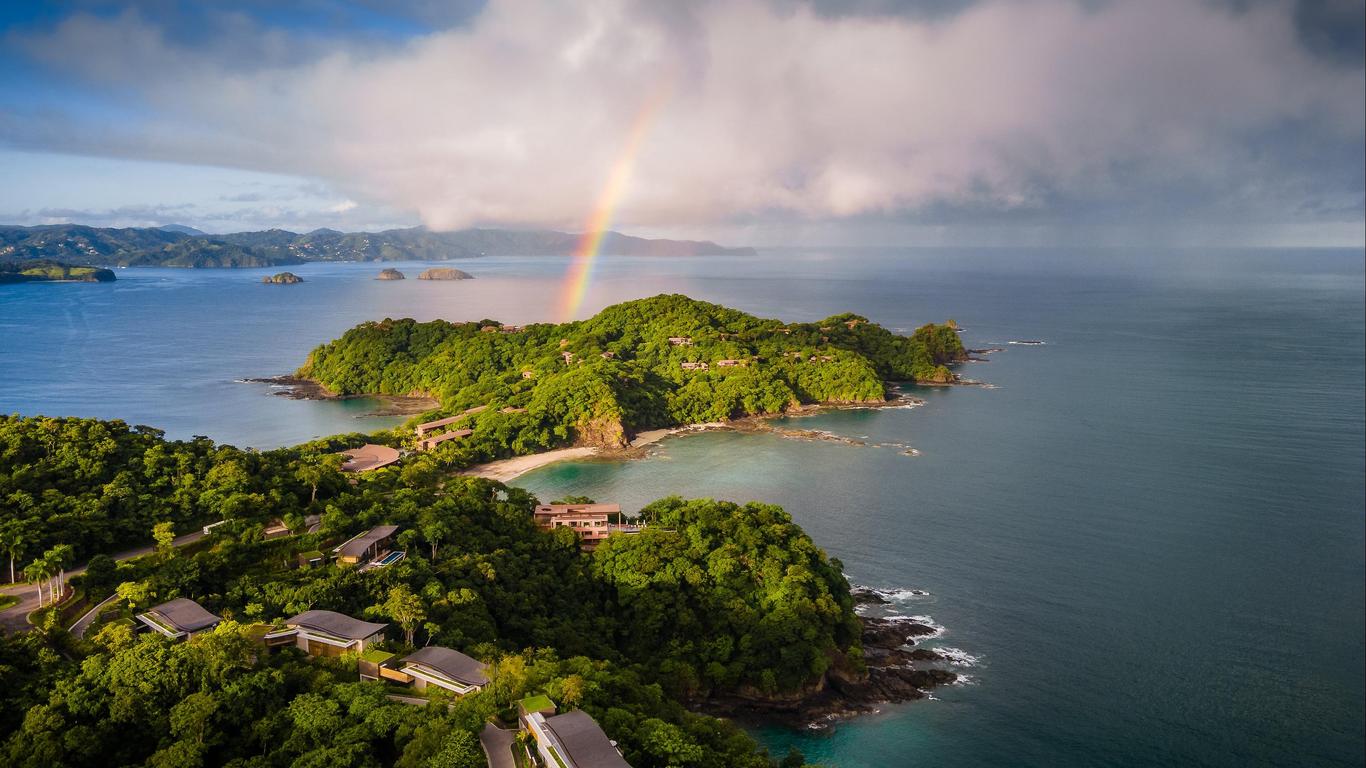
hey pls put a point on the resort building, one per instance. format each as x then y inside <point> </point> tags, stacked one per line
<point>327,633</point>
<point>570,740</point>
<point>446,669</point>
<point>693,366</point>
<point>680,341</point>
<point>428,443</point>
<point>431,426</point>
<point>728,363</point>
<point>179,619</point>
<point>368,457</point>
<point>592,522</point>
<point>367,546</point>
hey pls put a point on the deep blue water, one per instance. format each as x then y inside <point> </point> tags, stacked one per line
<point>1149,531</point>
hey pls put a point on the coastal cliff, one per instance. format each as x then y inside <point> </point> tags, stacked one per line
<point>892,670</point>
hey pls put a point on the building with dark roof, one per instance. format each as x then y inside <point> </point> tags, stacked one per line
<point>179,618</point>
<point>573,740</point>
<point>366,546</point>
<point>445,668</point>
<point>327,633</point>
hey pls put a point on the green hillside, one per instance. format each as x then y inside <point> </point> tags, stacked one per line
<point>599,380</point>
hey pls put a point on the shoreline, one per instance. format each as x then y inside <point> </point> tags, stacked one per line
<point>506,470</point>
<point>296,388</point>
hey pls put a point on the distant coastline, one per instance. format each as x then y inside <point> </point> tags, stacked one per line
<point>183,247</point>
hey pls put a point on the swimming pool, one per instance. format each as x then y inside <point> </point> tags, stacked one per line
<point>391,558</point>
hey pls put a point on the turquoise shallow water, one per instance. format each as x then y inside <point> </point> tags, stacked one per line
<point>1149,532</point>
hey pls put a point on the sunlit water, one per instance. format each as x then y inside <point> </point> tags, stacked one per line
<point>1149,531</point>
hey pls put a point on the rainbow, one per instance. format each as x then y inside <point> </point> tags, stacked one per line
<point>580,273</point>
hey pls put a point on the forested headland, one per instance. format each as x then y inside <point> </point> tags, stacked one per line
<point>712,598</point>
<point>652,363</point>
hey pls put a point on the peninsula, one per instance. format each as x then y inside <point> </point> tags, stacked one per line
<point>45,271</point>
<point>655,363</point>
<point>308,604</point>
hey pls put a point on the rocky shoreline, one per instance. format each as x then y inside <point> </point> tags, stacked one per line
<point>896,672</point>
<point>296,388</point>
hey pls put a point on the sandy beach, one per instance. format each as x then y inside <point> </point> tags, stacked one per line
<point>504,470</point>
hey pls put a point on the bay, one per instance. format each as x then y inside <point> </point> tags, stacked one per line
<point>1148,531</point>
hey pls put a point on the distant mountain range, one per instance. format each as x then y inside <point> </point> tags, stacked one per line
<point>180,246</point>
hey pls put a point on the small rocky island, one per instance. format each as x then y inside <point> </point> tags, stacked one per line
<point>389,274</point>
<point>444,273</point>
<point>282,278</point>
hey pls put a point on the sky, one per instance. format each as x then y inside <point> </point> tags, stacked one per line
<point>759,122</point>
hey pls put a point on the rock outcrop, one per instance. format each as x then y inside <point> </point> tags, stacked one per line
<point>893,672</point>
<point>389,274</point>
<point>283,278</point>
<point>444,273</point>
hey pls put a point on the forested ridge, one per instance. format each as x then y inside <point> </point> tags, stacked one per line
<point>713,597</point>
<point>657,362</point>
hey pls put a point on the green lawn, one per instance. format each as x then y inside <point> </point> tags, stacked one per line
<point>537,703</point>
<point>7,600</point>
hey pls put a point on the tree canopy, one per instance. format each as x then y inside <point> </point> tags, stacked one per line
<point>658,362</point>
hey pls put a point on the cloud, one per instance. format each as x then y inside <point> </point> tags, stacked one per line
<point>768,111</point>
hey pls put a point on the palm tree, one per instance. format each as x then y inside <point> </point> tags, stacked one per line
<point>12,539</point>
<point>57,559</point>
<point>37,572</point>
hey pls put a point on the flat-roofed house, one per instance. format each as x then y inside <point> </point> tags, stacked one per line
<point>573,740</point>
<point>590,521</point>
<point>367,546</point>
<point>428,443</point>
<point>327,633</point>
<point>445,668</point>
<point>430,426</point>
<point>368,457</point>
<point>179,618</point>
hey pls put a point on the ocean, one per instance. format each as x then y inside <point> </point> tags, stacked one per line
<point>1144,538</point>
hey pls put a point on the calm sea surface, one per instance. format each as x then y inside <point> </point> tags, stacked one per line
<point>1146,537</point>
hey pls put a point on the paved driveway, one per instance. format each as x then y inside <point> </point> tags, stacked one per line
<point>15,618</point>
<point>497,744</point>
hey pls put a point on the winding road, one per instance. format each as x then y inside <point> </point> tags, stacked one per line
<point>15,618</point>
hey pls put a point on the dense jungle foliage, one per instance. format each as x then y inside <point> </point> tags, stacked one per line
<point>712,597</point>
<point>658,362</point>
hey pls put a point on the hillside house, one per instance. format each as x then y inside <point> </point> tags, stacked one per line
<point>327,633</point>
<point>572,740</point>
<point>366,546</point>
<point>179,619</point>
